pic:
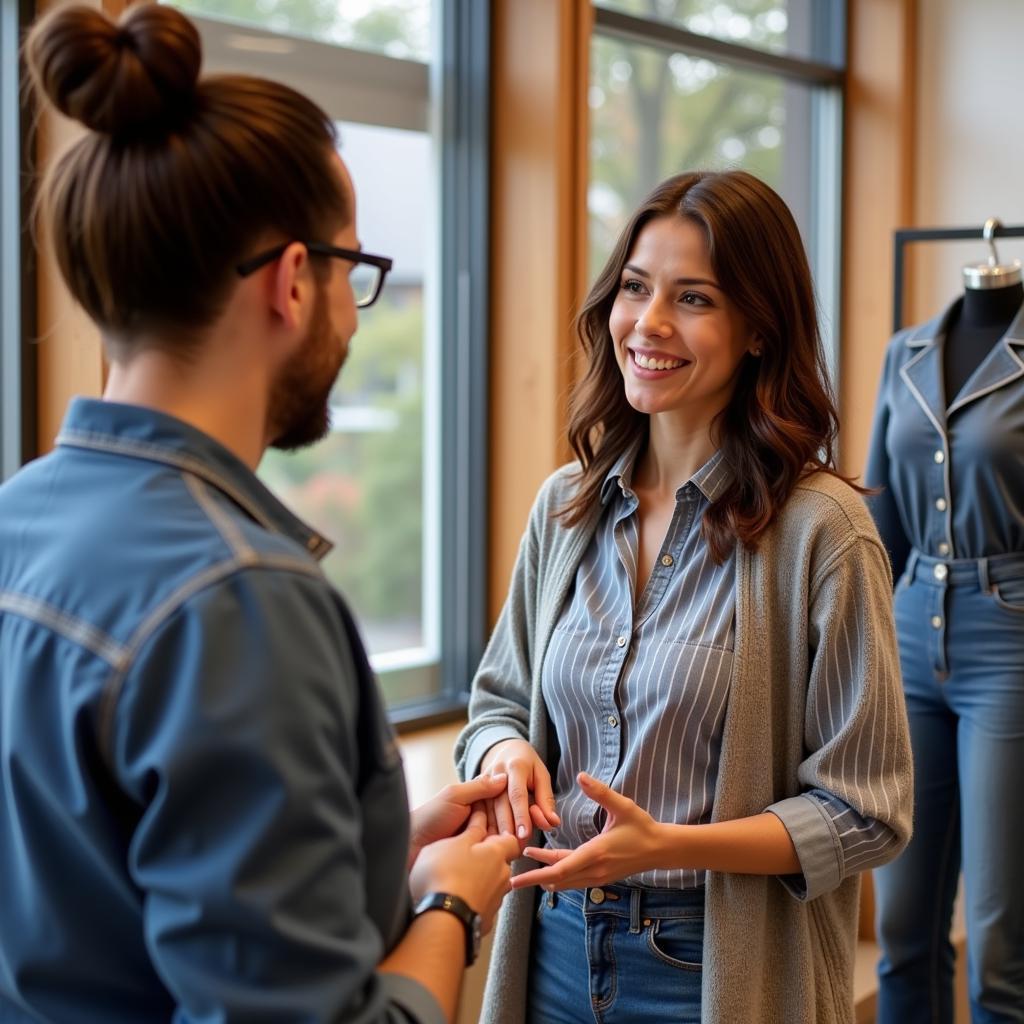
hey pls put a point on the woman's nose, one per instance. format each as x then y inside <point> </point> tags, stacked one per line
<point>651,324</point>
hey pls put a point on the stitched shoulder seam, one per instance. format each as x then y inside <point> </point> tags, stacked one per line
<point>168,607</point>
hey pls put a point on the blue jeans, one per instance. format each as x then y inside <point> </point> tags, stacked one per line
<point>617,954</point>
<point>962,653</point>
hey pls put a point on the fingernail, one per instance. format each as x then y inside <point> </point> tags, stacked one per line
<point>499,775</point>
<point>522,831</point>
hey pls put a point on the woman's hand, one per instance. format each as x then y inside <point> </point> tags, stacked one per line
<point>631,842</point>
<point>445,814</point>
<point>512,812</point>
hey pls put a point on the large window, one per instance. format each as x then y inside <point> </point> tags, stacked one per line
<point>398,483</point>
<point>704,84</point>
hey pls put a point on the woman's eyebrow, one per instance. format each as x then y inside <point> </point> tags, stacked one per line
<point>679,280</point>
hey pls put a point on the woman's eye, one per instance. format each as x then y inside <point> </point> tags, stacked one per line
<point>633,286</point>
<point>694,299</point>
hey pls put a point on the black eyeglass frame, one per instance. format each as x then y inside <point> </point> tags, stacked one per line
<point>382,263</point>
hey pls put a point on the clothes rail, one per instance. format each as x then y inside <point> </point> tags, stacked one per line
<point>903,236</point>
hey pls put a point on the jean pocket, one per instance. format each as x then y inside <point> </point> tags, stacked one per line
<point>678,941</point>
<point>1009,595</point>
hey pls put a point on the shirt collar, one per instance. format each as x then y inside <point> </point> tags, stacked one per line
<point>711,479</point>
<point>137,432</point>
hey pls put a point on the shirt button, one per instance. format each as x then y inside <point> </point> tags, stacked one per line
<point>936,622</point>
<point>940,571</point>
<point>621,641</point>
<point>943,548</point>
<point>939,456</point>
<point>613,721</point>
<point>940,504</point>
<point>597,896</point>
<point>667,559</point>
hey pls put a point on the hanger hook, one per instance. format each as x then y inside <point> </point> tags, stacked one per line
<point>988,233</point>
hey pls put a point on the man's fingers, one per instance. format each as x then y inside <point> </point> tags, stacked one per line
<point>477,824</point>
<point>508,846</point>
<point>483,787</point>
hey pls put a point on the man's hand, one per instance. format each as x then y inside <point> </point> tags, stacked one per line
<point>631,842</point>
<point>445,814</point>
<point>472,864</point>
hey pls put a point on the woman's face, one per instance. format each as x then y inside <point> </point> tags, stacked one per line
<point>678,339</point>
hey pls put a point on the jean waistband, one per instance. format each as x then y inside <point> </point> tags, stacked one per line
<point>922,568</point>
<point>633,902</point>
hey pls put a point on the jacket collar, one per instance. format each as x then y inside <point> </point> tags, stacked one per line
<point>136,432</point>
<point>923,373</point>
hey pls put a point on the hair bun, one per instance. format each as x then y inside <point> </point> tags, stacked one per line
<point>120,79</point>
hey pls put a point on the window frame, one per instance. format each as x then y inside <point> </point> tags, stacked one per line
<point>349,84</point>
<point>18,371</point>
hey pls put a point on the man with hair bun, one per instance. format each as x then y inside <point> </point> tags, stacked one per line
<point>203,813</point>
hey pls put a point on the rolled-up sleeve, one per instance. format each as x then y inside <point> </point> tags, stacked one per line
<point>855,813</point>
<point>236,731</point>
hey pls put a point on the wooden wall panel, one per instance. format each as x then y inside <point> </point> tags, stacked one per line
<point>540,51</point>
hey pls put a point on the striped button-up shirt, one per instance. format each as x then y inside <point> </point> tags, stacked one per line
<point>637,684</point>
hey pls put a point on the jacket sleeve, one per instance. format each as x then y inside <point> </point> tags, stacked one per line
<point>499,705</point>
<point>855,813</point>
<point>882,505</point>
<point>236,732</point>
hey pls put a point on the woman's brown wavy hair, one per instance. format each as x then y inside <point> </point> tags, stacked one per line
<point>781,422</point>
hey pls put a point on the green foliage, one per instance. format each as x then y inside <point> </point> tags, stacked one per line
<point>364,489</point>
<point>655,113</point>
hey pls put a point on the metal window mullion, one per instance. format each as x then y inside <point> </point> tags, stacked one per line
<point>17,259</point>
<point>671,37</point>
<point>465,99</point>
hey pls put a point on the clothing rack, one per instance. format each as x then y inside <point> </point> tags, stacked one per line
<point>903,236</point>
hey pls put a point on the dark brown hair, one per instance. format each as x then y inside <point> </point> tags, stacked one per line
<point>781,422</point>
<point>178,177</point>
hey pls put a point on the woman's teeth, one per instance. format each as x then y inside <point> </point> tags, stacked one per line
<point>646,363</point>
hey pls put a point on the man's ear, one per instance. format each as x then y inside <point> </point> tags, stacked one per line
<point>292,288</point>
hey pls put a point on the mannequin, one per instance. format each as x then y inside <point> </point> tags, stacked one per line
<point>979,322</point>
<point>947,457</point>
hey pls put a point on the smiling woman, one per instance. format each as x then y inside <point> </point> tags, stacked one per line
<point>722,251</point>
<point>694,685</point>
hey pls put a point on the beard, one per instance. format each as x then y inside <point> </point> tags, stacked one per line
<point>299,407</point>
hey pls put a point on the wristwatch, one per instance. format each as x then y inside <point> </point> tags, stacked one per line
<point>463,911</point>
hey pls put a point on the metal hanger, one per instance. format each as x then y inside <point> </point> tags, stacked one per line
<point>992,274</point>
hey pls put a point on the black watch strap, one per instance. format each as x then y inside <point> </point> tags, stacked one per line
<point>463,911</point>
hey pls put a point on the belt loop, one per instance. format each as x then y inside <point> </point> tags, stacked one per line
<point>911,565</point>
<point>634,911</point>
<point>983,578</point>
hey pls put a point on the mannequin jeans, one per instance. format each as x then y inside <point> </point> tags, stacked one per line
<point>962,653</point>
<point>615,955</point>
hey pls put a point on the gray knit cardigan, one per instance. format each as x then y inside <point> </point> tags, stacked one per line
<point>818,582</point>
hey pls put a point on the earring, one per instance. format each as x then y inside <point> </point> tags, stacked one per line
<point>756,353</point>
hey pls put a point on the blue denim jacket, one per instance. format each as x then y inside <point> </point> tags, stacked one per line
<point>202,809</point>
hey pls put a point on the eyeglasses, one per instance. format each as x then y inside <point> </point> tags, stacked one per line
<point>367,276</point>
